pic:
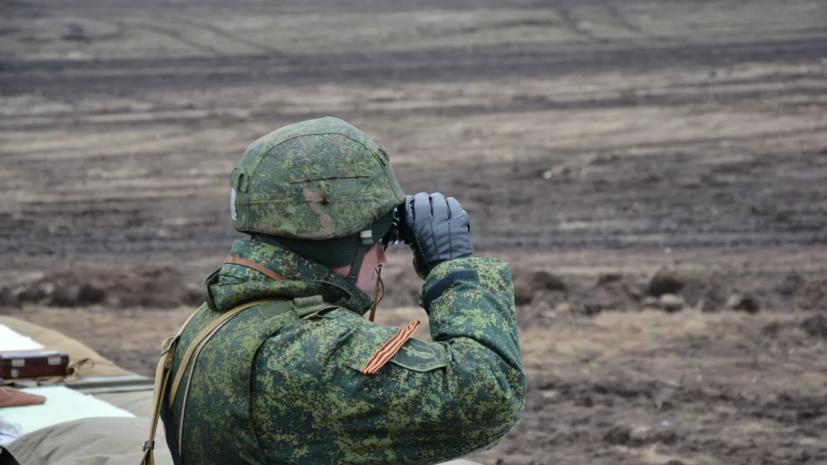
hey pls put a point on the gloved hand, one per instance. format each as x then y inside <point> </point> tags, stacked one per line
<point>438,230</point>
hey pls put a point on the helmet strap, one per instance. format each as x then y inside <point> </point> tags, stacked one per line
<point>365,244</point>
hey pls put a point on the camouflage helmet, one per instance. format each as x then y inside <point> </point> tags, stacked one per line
<point>315,180</point>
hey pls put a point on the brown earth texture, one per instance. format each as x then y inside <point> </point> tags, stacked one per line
<point>655,171</point>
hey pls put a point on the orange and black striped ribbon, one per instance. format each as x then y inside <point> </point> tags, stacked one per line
<point>389,349</point>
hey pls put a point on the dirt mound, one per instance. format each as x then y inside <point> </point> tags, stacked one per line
<point>813,295</point>
<point>150,287</point>
<point>535,284</point>
<point>815,326</point>
<point>747,302</point>
<point>542,296</point>
<point>792,283</point>
<point>610,292</point>
<point>665,282</point>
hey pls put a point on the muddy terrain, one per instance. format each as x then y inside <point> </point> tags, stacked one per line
<point>654,171</point>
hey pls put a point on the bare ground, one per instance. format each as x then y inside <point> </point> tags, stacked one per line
<point>654,171</point>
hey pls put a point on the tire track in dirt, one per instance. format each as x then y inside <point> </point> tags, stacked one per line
<point>622,19</point>
<point>227,35</point>
<point>518,105</point>
<point>573,25</point>
<point>174,35</point>
<point>135,76</point>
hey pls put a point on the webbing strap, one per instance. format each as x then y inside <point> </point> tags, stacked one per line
<point>200,337</point>
<point>161,380</point>
<point>305,306</point>
<point>365,244</point>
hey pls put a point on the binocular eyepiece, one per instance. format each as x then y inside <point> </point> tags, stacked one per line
<point>396,234</point>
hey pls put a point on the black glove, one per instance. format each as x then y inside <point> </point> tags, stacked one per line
<point>438,230</point>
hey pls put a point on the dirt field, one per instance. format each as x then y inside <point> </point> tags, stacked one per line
<point>654,171</point>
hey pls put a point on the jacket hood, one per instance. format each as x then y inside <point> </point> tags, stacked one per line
<point>234,284</point>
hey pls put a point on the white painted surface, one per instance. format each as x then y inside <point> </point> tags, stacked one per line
<point>11,341</point>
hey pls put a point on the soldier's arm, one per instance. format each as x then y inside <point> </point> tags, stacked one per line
<point>452,397</point>
<point>470,302</point>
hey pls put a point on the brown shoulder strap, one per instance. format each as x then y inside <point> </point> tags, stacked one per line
<point>254,266</point>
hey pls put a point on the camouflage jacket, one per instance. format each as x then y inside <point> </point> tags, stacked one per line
<point>299,395</point>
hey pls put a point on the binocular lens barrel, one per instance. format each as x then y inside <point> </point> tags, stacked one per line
<point>394,235</point>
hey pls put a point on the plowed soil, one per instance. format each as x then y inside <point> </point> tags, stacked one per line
<point>654,171</point>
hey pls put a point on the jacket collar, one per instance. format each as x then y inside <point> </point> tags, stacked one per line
<point>234,284</point>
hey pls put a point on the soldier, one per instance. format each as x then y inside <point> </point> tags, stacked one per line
<point>279,366</point>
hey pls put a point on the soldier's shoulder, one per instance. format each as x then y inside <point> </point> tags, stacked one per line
<point>360,323</point>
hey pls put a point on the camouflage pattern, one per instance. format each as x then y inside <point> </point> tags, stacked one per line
<point>316,180</point>
<point>274,388</point>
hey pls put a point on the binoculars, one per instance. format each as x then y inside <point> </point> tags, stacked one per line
<point>396,234</point>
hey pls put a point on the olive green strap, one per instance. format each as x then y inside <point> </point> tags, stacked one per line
<point>305,306</point>
<point>200,337</point>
